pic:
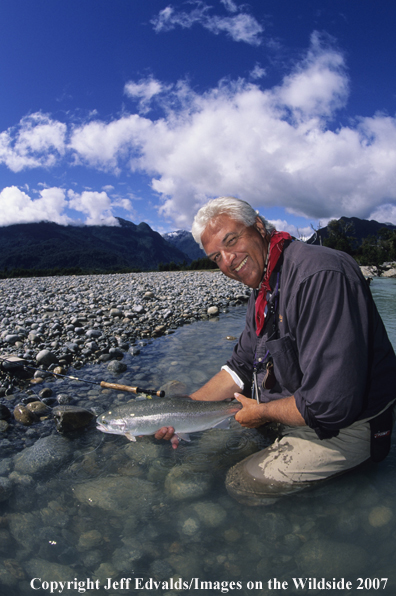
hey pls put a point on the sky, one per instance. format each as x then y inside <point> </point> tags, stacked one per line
<point>145,109</point>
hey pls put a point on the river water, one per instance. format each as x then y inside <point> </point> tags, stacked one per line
<point>141,518</point>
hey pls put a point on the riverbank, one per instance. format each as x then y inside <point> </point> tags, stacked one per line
<point>80,319</point>
<point>384,270</point>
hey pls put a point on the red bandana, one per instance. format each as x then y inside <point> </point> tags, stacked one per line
<point>275,250</point>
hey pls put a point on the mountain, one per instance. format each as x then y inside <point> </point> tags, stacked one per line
<point>357,228</point>
<point>185,242</point>
<point>47,245</point>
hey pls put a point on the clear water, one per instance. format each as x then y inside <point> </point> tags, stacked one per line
<point>115,510</point>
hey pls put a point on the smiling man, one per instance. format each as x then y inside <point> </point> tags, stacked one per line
<point>314,355</point>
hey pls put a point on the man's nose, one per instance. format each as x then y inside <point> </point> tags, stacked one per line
<point>228,257</point>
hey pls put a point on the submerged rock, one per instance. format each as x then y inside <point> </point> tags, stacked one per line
<point>69,418</point>
<point>46,455</point>
<point>117,494</point>
<point>324,558</point>
<point>182,484</point>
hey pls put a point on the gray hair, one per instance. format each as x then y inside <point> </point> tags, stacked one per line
<point>231,206</point>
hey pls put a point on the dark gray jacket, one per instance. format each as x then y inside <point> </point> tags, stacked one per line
<point>332,351</point>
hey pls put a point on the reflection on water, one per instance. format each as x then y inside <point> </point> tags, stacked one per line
<point>119,510</point>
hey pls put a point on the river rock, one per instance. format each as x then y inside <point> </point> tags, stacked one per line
<point>46,455</point>
<point>211,514</point>
<point>325,558</point>
<point>23,415</point>
<point>118,494</point>
<point>181,483</point>
<point>38,408</point>
<point>115,366</point>
<point>44,569</point>
<point>5,489</point>
<point>46,358</point>
<point>68,418</point>
<point>89,540</point>
<point>23,528</point>
<point>4,412</point>
<point>380,516</point>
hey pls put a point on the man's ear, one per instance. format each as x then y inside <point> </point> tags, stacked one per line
<point>260,227</point>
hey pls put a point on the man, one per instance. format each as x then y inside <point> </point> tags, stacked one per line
<point>314,345</point>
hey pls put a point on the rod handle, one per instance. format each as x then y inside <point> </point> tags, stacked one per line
<point>131,389</point>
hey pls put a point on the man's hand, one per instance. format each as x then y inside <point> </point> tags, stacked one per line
<point>168,433</point>
<point>282,410</point>
<point>252,414</point>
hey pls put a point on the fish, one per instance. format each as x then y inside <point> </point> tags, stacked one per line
<point>185,415</point>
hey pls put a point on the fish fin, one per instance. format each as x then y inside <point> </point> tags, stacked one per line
<point>130,437</point>
<point>183,436</point>
<point>224,424</point>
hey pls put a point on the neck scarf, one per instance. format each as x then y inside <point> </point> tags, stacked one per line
<point>275,249</point>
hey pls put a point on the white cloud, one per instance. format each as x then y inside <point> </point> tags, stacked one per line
<point>37,141</point>
<point>96,205</point>
<point>240,27</point>
<point>258,72</point>
<point>270,146</point>
<point>144,91</point>
<point>17,207</point>
<point>230,5</point>
<point>101,145</point>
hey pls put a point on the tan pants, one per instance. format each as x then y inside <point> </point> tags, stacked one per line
<point>298,460</point>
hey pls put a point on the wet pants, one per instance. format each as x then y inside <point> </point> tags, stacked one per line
<point>298,460</point>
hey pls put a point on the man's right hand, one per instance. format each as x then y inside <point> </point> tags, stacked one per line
<point>168,434</point>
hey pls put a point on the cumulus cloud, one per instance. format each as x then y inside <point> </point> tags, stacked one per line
<point>96,205</point>
<point>52,204</point>
<point>144,91</point>
<point>18,207</point>
<point>36,141</point>
<point>240,27</point>
<point>274,147</point>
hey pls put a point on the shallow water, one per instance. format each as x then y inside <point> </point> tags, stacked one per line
<point>146,512</point>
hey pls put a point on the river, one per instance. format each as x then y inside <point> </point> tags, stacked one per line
<point>141,518</point>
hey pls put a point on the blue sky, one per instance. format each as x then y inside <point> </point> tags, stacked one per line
<point>144,109</point>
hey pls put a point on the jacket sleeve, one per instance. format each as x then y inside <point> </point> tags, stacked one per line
<point>331,314</point>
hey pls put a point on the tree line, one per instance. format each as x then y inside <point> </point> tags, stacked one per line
<point>372,250</point>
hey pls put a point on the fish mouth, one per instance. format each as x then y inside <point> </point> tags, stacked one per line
<point>117,429</point>
<point>237,269</point>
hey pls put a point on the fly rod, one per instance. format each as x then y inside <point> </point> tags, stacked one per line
<point>17,362</point>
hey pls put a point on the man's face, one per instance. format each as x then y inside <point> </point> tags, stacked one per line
<point>238,250</point>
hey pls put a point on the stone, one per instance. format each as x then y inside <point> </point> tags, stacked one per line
<point>115,366</point>
<point>181,483</point>
<point>46,455</point>
<point>23,415</point>
<point>346,559</point>
<point>118,495</point>
<point>5,489</point>
<point>380,516</point>
<point>46,358</point>
<point>68,418</point>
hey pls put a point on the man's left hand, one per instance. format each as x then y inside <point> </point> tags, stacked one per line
<point>252,413</point>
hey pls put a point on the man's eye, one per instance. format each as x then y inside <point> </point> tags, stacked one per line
<point>232,240</point>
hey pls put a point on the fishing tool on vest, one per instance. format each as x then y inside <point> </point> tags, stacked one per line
<point>8,363</point>
<point>266,362</point>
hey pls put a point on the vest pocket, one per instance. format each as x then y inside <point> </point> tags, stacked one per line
<point>285,359</point>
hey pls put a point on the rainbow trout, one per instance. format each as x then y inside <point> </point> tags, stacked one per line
<point>145,417</point>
